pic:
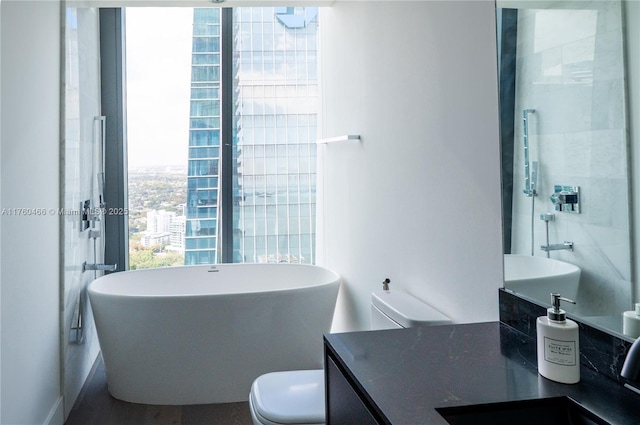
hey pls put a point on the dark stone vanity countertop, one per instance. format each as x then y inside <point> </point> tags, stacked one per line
<point>407,373</point>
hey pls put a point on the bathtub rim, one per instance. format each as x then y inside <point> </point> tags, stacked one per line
<point>101,286</point>
<point>567,269</point>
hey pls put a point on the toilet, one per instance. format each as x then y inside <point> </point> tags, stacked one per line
<point>398,309</point>
<point>296,397</point>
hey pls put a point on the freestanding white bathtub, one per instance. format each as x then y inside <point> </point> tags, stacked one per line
<point>202,334</point>
<point>538,277</point>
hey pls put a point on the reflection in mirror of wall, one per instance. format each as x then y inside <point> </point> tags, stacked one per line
<point>564,124</point>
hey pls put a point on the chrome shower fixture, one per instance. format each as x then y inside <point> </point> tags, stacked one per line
<point>530,169</point>
<point>566,198</point>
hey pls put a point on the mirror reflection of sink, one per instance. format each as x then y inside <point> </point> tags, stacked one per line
<point>547,411</point>
<point>537,277</point>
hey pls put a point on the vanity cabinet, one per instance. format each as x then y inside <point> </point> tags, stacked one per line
<point>343,403</point>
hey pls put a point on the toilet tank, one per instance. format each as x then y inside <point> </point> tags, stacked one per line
<point>398,309</point>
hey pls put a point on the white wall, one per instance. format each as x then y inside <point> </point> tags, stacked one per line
<point>0,206</point>
<point>418,200</point>
<point>632,18</point>
<point>29,248</point>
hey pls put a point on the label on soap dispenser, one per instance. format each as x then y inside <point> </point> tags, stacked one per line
<point>560,352</point>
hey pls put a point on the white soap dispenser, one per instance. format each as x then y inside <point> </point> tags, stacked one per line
<point>631,322</point>
<point>558,344</point>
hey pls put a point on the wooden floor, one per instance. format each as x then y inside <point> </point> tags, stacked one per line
<point>95,406</point>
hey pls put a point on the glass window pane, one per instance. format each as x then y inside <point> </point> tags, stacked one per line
<point>274,73</point>
<point>205,73</point>
<point>203,108</point>
<point>206,44</point>
<point>205,93</point>
<point>205,122</point>
<point>277,97</point>
<point>206,16</point>
<point>206,29</point>
<point>205,59</point>
<point>204,138</point>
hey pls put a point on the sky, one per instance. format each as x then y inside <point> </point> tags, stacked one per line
<point>158,66</point>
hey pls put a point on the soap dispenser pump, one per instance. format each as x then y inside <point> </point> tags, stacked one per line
<point>558,344</point>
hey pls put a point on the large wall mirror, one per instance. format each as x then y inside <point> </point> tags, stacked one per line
<point>565,129</point>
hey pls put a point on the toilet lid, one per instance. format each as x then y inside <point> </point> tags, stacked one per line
<point>290,397</point>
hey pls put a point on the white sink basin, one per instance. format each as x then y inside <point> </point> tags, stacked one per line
<point>537,277</point>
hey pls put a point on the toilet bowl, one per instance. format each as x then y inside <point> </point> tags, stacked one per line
<point>297,396</point>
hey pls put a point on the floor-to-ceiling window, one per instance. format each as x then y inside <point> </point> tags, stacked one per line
<point>179,204</point>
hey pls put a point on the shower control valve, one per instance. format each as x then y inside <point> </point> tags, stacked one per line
<point>566,199</point>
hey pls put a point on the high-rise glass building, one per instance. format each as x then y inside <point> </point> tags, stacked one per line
<point>275,92</point>
<point>276,111</point>
<point>201,210</point>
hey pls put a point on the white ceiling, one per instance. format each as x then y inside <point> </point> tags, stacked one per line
<point>194,3</point>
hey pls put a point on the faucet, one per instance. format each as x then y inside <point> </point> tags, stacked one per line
<point>631,366</point>
<point>557,246</point>
<point>106,267</point>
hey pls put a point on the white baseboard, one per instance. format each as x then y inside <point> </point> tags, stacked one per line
<point>56,415</point>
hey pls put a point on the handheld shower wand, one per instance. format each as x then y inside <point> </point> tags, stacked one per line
<point>530,169</point>
<point>101,158</point>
